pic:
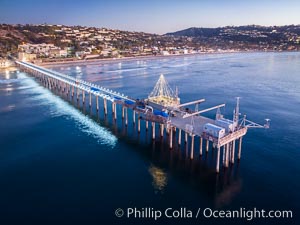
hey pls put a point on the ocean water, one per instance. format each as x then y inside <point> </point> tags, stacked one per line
<point>62,163</point>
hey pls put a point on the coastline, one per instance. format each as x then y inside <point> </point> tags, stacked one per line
<point>136,58</point>
<point>112,60</point>
<point>124,59</point>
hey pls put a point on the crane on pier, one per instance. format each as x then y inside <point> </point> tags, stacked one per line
<point>240,123</point>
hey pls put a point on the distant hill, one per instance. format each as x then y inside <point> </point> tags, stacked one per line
<point>251,37</point>
<point>116,42</point>
<point>196,32</point>
<point>210,32</point>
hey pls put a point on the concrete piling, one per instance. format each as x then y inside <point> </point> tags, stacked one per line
<point>161,130</point>
<point>97,103</point>
<point>153,130</point>
<point>200,147</point>
<point>218,161</point>
<point>192,146</point>
<point>227,155</point>
<point>171,137</point>
<point>139,124</point>
<point>207,145</point>
<point>105,106</point>
<point>90,102</point>
<point>115,110</point>
<point>133,117</point>
<point>126,117</point>
<point>232,153</point>
<point>123,112</point>
<point>83,96</point>
<point>240,148</point>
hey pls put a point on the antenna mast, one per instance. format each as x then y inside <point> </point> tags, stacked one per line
<point>236,112</point>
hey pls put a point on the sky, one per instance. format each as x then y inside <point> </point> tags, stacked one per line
<point>155,16</point>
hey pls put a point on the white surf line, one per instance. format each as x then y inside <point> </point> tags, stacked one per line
<point>60,108</point>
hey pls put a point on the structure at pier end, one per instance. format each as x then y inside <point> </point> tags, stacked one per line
<point>220,132</point>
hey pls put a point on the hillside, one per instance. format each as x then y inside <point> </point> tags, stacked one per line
<point>249,37</point>
<point>116,43</point>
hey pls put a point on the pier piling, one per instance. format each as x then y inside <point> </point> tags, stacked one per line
<point>90,102</point>
<point>192,146</point>
<point>207,145</point>
<point>126,117</point>
<point>218,161</point>
<point>161,130</point>
<point>123,112</point>
<point>147,125</point>
<point>200,148</point>
<point>133,117</point>
<point>115,110</point>
<point>153,130</point>
<point>105,106</point>
<point>240,148</point>
<point>139,124</point>
<point>171,137</point>
<point>233,150</point>
<point>97,103</point>
<point>227,155</point>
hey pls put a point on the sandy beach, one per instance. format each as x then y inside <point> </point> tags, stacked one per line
<point>114,60</point>
<point>110,60</point>
<point>136,58</point>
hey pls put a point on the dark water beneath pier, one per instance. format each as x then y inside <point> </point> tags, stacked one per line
<point>61,165</point>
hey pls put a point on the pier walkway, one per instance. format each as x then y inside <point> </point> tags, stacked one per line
<point>77,83</point>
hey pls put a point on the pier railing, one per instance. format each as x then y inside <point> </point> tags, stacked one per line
<point>81,84</point>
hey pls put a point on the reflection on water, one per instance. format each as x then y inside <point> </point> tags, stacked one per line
<point>7,78</point>
<point>198,175</point>
<point>228,193</point>
<point>159,177</point>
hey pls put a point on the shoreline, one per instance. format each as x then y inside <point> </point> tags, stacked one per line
<point>115,60</point>
<point>136,58</point>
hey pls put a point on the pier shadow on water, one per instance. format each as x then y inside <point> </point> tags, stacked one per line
<point>198,174</point>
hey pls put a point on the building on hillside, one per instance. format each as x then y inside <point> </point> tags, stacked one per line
<point>23,56</point>
<point>58,53</point>
<point>41,50</point>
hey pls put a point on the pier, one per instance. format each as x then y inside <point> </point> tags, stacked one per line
<point>163,110</point>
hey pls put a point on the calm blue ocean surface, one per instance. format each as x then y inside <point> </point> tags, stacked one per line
<point>61,163</point>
